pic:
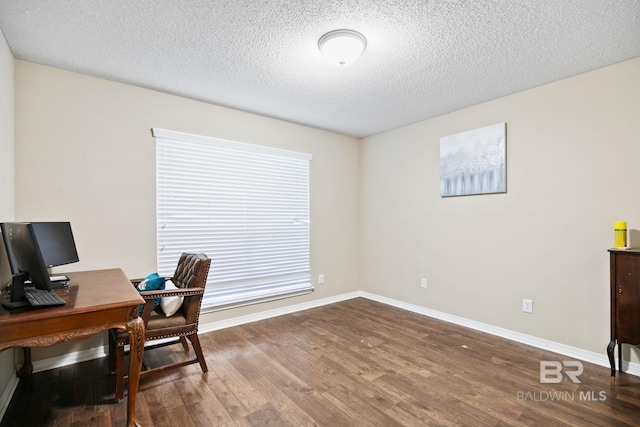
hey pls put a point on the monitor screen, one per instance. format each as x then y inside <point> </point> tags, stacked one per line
<point>56,243</point>
<point>26,253</point>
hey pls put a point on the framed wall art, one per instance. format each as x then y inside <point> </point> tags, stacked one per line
<point>474,162</point>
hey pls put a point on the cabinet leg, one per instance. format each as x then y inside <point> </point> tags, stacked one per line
<point>620,357</point>
<point>610,353</point>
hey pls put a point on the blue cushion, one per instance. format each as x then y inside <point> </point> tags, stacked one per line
<point>152,282</point>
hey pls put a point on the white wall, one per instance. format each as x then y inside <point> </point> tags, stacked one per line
<point>573,157</point>
<point>84,153</point>
<point>7,201</point>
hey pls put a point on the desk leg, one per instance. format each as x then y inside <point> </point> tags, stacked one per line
<point>135,328</point>
<point>27,366</point>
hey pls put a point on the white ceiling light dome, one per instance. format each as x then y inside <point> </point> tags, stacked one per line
<point>342,47</point>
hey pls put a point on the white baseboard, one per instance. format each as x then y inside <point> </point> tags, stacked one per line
<point>241,320</point>
<point>600,359</point>
<point>70,359</point>
<point>573,352</point>
<point>102,351</point>
<point>7,393</point>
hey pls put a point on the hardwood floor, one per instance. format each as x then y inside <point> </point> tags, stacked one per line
<point>354,363</point>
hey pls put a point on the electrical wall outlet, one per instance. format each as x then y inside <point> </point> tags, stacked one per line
<point>423,283</point>
<point>320,279</point>
<point>527,305</point>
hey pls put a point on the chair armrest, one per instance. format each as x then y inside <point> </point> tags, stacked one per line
<point>136,282</point>
<point>188,292</point>
<point>150,296</point>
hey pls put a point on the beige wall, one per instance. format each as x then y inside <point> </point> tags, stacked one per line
<point>84,153</point>
<point>573,153</point>
<point>6,181</point>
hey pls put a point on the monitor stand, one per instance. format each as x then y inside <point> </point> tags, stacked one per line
<point>17,299</point>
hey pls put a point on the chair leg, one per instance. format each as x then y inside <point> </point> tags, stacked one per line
<point>195,341</point>
<point>119,362</point>
<point>185,345</point>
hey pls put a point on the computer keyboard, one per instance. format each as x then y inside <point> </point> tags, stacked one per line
<point>42,298</point>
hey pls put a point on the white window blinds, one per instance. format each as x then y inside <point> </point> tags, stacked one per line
<point>245,206</point>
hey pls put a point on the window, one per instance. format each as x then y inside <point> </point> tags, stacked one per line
<point>245,206</point>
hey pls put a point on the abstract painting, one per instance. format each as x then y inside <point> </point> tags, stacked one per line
<point>474,162</point>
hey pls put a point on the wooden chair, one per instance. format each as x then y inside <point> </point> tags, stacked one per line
<point>190,277</point>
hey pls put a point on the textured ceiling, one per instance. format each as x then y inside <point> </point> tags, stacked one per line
<point>423,58</point>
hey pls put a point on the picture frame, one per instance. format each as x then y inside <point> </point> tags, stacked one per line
<point>474,162</point>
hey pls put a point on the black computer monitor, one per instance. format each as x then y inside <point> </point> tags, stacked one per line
<point>10,258</point>
<point>26,253</point>
<point>56,243</point>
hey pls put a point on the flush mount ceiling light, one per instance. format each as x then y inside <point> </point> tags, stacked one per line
<point>342,47</point>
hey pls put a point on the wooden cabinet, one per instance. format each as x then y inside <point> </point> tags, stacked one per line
<point>625,302</point>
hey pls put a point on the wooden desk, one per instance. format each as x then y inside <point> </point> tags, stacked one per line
<point>96,301</point>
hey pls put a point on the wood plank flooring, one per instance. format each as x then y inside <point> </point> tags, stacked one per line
<point>353,363</point>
